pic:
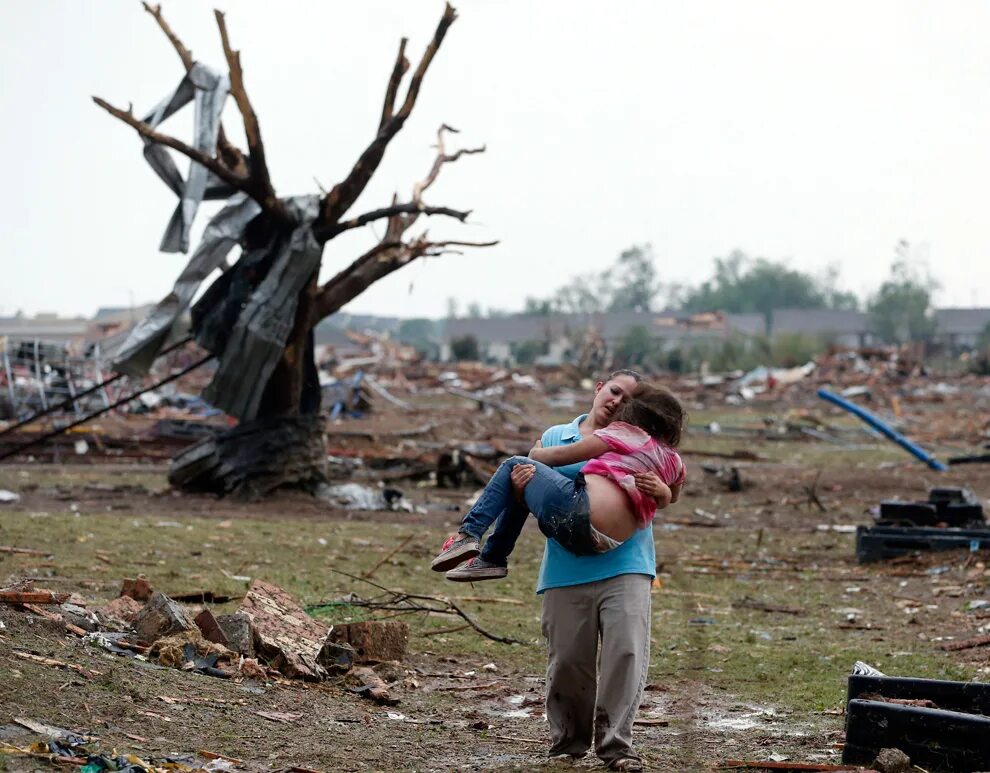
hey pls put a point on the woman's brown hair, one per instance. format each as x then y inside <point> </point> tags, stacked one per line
<point>656,411</point>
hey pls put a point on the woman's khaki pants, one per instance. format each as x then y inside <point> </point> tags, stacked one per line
<point>580,708</point>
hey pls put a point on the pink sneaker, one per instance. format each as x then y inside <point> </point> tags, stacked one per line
<point>456,549</point>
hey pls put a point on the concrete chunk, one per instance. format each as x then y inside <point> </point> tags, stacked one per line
<point>283,632</point>
<point>335,656</point>
<point>237,630</point>
<point>160,617</point>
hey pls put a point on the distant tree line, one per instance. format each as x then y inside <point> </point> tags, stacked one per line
<point>900,309</point>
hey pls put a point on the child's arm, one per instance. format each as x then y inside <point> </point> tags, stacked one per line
<point>650,484</point>
<point>675,492</point>
<point>581,451</point>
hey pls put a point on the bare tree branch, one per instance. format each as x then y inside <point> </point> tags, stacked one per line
<point>448,18</point>
<point>184,53</point>
<point>259,175</point>
<point>343,195</point>
<point>231,155</point>
<point>387,212</point>
<point>221,171</point>
<point>441,159</point>
<point>380,261</point>
<point>392,253</point>
<point>401,65</point>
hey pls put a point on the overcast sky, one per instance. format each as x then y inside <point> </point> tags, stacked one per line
<point>806,132</point>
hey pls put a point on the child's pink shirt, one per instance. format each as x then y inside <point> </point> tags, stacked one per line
<point>634,451</point>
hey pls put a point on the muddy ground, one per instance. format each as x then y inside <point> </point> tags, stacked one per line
<point>759,613</point>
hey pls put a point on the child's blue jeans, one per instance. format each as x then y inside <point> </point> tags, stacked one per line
<point>559,504</point>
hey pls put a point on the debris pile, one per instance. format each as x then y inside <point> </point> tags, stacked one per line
<point>951,519</point>
<point>269,637</point>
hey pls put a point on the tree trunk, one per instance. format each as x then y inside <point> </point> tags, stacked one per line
<point>256,457</point>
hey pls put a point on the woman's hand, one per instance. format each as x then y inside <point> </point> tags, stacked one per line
<point>649,483</point>
<point>521,475</point>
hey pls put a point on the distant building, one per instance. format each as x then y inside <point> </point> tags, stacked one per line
<point>561,334</point>
<point>46,328</point>
<point>960,328</point>
<point>845,328</point>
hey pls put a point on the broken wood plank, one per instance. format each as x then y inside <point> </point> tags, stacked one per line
<point>32,597</point>
<point>965,644</point>
<point>85,672</point>
<point>284,717</point>
<point>55,618</point>
<point>208,755</point>
<point>467,687</point>
<point>22,551</point>
<point>516,739</point>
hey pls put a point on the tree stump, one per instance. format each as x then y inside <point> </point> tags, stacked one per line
<point>255,458</point>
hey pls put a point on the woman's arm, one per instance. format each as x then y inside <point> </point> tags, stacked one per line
<point>581,451</point>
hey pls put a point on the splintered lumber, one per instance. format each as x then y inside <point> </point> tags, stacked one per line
<point>283,632</point>
<point>32,597</point>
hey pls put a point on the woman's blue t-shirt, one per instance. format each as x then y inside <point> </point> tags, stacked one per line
<point>560,567</point>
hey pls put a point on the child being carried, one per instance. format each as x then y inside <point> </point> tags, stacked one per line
<point>598,510</point>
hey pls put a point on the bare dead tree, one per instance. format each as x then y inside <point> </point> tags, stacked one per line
<point>281,415</point>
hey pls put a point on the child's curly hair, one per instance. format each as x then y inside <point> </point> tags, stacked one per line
<point>656,411</point>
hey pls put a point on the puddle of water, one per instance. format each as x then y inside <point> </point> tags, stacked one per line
<point>518,713</point>
<point>732,724</point>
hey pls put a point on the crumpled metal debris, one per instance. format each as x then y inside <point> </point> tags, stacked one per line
<point>209,90</point>
<point>354,496</point>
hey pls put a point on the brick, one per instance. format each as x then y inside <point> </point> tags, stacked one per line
<point>374,641</point>
<point>210,628</point>
<point>121,610</point>
<point>137,588</point>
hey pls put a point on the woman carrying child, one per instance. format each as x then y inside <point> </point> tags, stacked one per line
<point>589,600</point>
<point>601,507</point>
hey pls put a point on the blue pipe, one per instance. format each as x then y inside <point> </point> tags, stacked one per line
<point>890,433</point>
